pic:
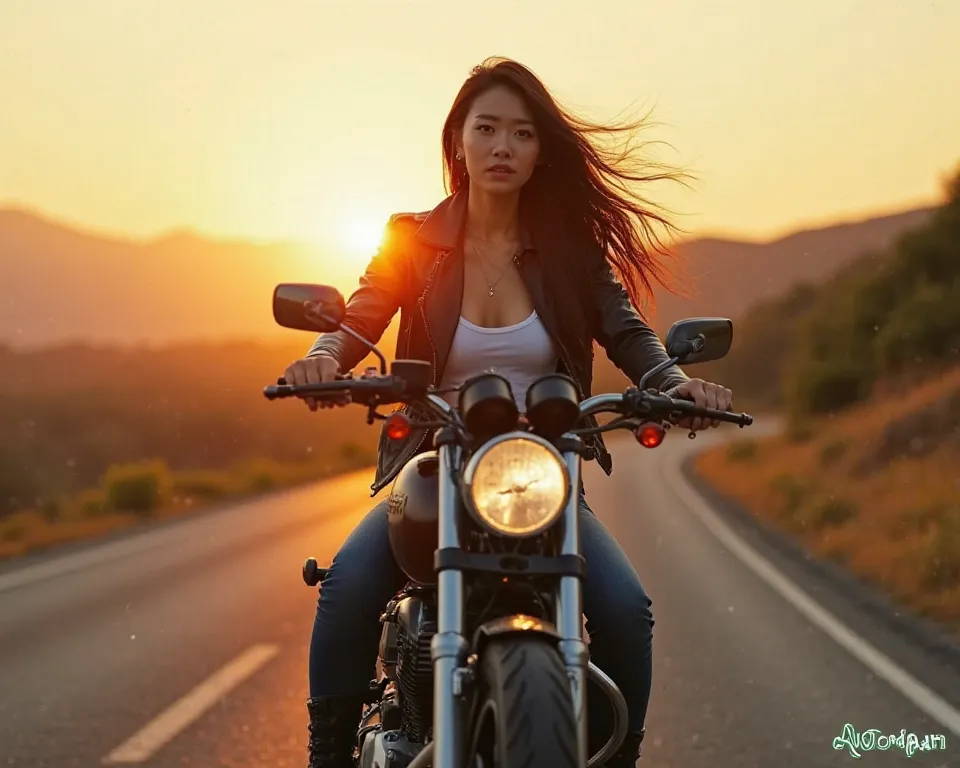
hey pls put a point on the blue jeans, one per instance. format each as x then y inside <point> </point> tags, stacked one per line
<point>364,576</point>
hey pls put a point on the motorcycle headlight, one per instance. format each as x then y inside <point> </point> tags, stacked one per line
<point>517,484</point>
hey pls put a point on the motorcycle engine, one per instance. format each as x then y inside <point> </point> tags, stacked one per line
<point>405,654</point>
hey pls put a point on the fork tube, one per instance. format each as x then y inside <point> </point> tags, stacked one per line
<point>570,610</point>
<point>448,649</point>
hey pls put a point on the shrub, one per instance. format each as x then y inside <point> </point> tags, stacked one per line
<point>925,326</point>
<point>830,385</point>
<point>793,491</point>
<point>833,451</point>
<point>139,487</point>
<point>91,502</point>
<point>943,565</point>
<point>833,511</point>
<point>201,484</point>
<point>742,450</point>
<point>17,526</point>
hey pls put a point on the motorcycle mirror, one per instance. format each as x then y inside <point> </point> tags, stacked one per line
<point>308,307</point>
<point>699,339</point>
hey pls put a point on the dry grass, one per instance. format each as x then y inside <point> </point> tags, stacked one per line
<point>90,514</point>
<point>893,519</point>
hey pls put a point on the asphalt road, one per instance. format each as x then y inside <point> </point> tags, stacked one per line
<point>186,645</point>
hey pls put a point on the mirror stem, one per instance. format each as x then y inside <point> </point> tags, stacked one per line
<point>658,369</point>
<point>368,345</point>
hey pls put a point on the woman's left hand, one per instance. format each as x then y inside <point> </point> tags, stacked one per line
<point>706,395</point>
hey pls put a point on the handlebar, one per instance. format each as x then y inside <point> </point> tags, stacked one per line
<point>635,402</point>
<point>334,390</point>
<point>390,389</point>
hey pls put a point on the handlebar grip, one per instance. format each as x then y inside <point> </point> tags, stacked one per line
<point>284,389</point>
<point>282,382</point>
<point>742,419</point>
<point>691,409</point>
<point>272,393</point>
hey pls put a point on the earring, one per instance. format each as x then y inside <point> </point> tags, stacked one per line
<point>459,155</point>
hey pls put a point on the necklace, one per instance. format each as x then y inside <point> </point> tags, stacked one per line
<point>503,271</point>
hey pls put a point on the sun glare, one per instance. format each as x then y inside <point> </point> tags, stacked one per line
<point>363,234</point>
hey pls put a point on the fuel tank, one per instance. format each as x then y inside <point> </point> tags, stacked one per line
<point>413,512</point>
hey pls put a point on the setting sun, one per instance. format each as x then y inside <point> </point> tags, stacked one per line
<point>364,233</point>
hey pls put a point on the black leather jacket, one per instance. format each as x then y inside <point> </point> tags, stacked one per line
<point>419,270</point>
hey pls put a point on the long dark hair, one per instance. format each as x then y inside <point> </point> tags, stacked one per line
<point>579,197</point>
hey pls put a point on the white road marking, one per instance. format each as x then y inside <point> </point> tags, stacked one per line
<point>66,564</point>
<point>881,665</point>
<point>179,715</point>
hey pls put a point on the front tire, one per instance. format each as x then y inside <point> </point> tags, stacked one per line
<point>523,715</point>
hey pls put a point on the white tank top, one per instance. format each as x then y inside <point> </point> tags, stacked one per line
<point>520,353</point>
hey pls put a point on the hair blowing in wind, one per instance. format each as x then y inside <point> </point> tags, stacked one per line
<point>584,192</point>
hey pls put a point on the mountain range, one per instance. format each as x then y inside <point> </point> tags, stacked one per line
<point>60,285</point>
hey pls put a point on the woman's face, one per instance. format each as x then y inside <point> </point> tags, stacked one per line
<point>499,142</point>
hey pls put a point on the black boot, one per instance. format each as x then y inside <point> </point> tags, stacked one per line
<point>629,752</point>
<point>333,730</point>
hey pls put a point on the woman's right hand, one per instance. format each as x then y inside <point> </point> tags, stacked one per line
<point>314,370</point>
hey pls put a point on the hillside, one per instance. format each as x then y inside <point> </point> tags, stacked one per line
<point>75,411</point>
<point>731,276</point>
<point>58,284</point>
<point>889,315</point>
<point>866,366</point>
<point>874,488</point>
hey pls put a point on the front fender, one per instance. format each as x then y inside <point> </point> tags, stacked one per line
<point>517,624</point>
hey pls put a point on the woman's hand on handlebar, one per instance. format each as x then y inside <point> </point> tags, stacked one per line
<point>315,370</point>
<point>705,395</point>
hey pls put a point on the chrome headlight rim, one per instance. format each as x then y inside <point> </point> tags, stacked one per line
<point>469,473</point>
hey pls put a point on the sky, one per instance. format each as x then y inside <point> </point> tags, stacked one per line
<point>277,119</point>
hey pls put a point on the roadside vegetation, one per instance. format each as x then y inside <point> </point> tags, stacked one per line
<point>101,439</point>
<point>866,370</point>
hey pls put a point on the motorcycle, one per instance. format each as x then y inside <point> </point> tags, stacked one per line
<point>483,659</point>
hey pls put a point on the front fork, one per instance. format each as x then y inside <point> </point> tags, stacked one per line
<point>449,647</point>
<point>569,612</point>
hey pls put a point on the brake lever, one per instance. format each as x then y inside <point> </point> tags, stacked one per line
<point>673,394</point>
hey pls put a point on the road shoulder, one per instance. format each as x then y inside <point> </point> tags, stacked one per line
<point>919,645</point>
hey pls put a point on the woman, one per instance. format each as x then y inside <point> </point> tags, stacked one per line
<point>512,271</point>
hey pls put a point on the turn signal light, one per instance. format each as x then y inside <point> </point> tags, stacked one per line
<point>398,426</point>
<point>650,434</point>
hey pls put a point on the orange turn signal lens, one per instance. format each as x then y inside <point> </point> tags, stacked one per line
<point>650,434</point>
<point>398,426</point>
